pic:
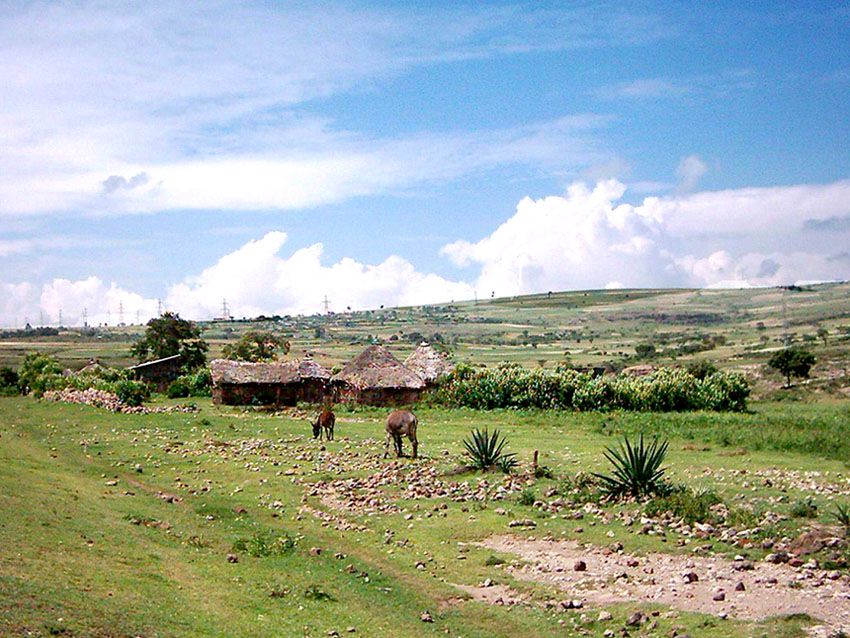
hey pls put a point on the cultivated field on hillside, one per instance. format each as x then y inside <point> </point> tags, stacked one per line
<point>738,329</point>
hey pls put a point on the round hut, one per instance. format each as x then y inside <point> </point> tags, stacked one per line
<point>274,383</point>
<point>376,377</point>
<point>428,363</point>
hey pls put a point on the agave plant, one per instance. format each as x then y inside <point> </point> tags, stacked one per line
<point>637,469</point>
<point>842,515</point>
<point>485,449</point>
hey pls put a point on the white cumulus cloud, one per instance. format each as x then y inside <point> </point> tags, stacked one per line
<point>588,239</point>
<point>257,279</point>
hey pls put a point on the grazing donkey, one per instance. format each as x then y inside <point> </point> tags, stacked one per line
<point>324,421</point>
<point>401,423</point>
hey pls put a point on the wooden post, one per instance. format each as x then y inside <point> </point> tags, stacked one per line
<point>534,462</point>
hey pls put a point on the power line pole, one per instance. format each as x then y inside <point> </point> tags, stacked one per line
<point>60,317</point>
<point>785,338</point>
<point>326,305</point>
<point>159,307</point>
<point>85,317</point>
<point>120,313</point>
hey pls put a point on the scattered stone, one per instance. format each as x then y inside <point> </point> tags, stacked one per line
<point>719,596</point>
<point>232,558</point>
<point>808,543</point>
<point>690,577</point>
<point>522,522</point>
<point>636,619</point>
<point>580,566</point>
<point>604,615</point>
<point>740,586</point>
<point>425,616</point>
<point>315,551</point>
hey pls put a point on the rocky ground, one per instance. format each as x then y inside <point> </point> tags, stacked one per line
<point>712,585</point>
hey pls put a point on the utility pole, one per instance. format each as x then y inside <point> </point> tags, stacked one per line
<point>326,305</point>
<point>159,307</point>
<point>85,317</point>
<point>225,311</point>
<point>138,317</point>
<point>41,317</point>
<point>785,338</point>
<point>60,317</point>
<point>120,313</point>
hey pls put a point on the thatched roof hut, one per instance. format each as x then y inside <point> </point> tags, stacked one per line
<point>273,383</point>
<point>428,363</point>
<point>375,376</point>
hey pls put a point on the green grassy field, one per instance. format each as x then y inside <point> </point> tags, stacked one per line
<point>121,525</point>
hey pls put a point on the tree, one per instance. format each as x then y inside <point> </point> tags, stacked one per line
<point>794,362</point>
<point>168,335</point>
<point>645,350</point>
<point>256,345</point>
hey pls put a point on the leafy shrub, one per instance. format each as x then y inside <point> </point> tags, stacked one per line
<point>492,561</point>
<point>687,504</point>
<point>804,508</point>
<point>262,544</point>
<point>485,449</point>
<point>510,386</point>
<point>526,497</point>
<point>701,368</point>
<point>200,383</point>
<point>178,389</point>
<point>543,471</point>
<point>637,469</point>
<point>40,372</point>
<point>132,392</point>
<point>8,382</point>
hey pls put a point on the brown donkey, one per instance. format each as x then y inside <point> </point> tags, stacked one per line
<point>324,422</point>
<point>401,423</point>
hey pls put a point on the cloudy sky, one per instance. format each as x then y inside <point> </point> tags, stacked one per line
<point>272,154</point>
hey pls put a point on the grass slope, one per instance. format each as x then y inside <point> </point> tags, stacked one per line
<point>89,546</point>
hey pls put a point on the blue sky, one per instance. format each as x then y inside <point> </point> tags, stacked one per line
<point>274,153</point>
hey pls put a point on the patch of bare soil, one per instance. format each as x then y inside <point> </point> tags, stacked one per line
<point>714,585</point>
<point>493,594</point>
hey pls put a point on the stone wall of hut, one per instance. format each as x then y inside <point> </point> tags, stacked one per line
<point>379,396</point>
<point>289,394</point>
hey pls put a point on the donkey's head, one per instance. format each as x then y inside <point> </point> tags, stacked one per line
<point>316,428</point>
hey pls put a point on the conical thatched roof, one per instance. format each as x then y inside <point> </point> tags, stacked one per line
<point>428,363</point>
<point>240,372</point>
<point>375,368</point>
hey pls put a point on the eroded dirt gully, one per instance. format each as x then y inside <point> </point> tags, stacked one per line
<point>713,585</point>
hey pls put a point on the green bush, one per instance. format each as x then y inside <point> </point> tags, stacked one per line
<point>178,389</point>
<point>39,373</point>
<point>132,392</point>
<point>262,544</point>
<point>687,504</point>
<point>667,389</point>
<point>8,382</point>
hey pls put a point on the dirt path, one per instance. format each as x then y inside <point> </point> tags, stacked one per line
<point>739,589</point>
